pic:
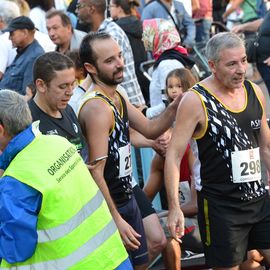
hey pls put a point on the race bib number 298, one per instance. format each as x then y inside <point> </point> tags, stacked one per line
<point>246,165</point>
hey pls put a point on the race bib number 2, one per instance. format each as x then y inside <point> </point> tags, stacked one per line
<point>125,167</point>
<point>246,165</point>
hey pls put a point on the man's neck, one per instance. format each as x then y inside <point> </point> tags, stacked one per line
<point>45,108</point>
<point>25,44</point>
<point>64,48</point>
<point>96,22</point>
<point>108,90</point>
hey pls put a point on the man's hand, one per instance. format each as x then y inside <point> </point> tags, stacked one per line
<point>267,61</point>
<point>161,143</point>
<point>176,102</point>
<point>176,223</point>
<point>237,29</point>
<point>128,234</point>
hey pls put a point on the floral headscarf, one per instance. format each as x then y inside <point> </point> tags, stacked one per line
<point>159,35</point>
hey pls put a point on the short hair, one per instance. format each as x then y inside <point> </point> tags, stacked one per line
<point>100,5</point>
<point>45,5</point>
<point>63,16</point>
<point>75,57</point>
<point>221,41</point>
<point>87,53</point>
<point>126,5</point>
<point>47,64</point>
<point>15,114</point>
<point>8,11</point>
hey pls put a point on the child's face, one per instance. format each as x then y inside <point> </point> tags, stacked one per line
<point>174,87</point>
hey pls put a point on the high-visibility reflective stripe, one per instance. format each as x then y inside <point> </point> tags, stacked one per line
<point>64,229</point>
<point>72,259</point>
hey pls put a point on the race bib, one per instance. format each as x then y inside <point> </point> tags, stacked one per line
<point>184,192</point>
<point>125,166</point>
<point>246,165</point>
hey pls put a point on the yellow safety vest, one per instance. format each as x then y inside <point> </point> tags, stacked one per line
<point>75,228</point>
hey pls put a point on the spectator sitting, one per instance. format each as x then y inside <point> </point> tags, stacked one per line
<point>61,32</point>
<point>19,74</point>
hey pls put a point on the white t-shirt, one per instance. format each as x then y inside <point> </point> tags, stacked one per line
<point>7,53</point>
<point>38,16</point>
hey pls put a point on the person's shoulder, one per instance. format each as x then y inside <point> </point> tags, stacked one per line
<point>69,111</point>
<point>35,48</point>
<point>95,104</point>
<point>150,9</point>
<point>178,5</point>
<point>78,33</point>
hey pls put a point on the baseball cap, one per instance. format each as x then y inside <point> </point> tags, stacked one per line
<point>21,22</point>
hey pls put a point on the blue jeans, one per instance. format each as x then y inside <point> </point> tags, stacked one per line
<point>203,31</point>
<point>265,73</point>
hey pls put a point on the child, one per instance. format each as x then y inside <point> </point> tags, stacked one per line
<point>178,81</point>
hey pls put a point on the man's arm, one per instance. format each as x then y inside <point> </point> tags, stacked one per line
<point>96,121</point>
<point>234,5</point>
<point>19,208</point>
<point>249,26</point>
<point>153,128</point>
<point>187,123</point>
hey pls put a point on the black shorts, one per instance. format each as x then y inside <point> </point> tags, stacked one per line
<point>131,214</point>
<point>143,202</point>
<point>230,228</point>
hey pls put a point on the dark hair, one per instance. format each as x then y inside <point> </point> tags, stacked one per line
<point>33,88</point>
<point>75,57</point>
<point>186,77</point>
<point>100,5</point>
<point>63,16</point>
<point>43,4</point>
<point>126,5</point>
<point>46,65</point>
<point>87,53</point>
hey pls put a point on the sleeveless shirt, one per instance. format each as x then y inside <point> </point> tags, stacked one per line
<point>117,172</point>
<point>227,134</point>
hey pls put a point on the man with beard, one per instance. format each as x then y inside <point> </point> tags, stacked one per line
<point>230,134</point>
<point>104,116</point>
<point>93,12</point>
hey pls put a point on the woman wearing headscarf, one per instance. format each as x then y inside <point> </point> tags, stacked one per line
<point>162,39</point>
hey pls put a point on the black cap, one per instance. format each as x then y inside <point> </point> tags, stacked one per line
<point>21,22</point>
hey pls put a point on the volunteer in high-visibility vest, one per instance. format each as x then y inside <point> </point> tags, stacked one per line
<point>52,214</point>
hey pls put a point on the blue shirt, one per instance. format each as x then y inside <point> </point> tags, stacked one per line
<point>19,207</point>
<point>20,73</point>
<point>182,18</point>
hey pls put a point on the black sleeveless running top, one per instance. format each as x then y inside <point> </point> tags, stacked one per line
<point>227,133</point>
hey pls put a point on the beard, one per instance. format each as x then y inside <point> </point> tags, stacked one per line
<point>110,80</point>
